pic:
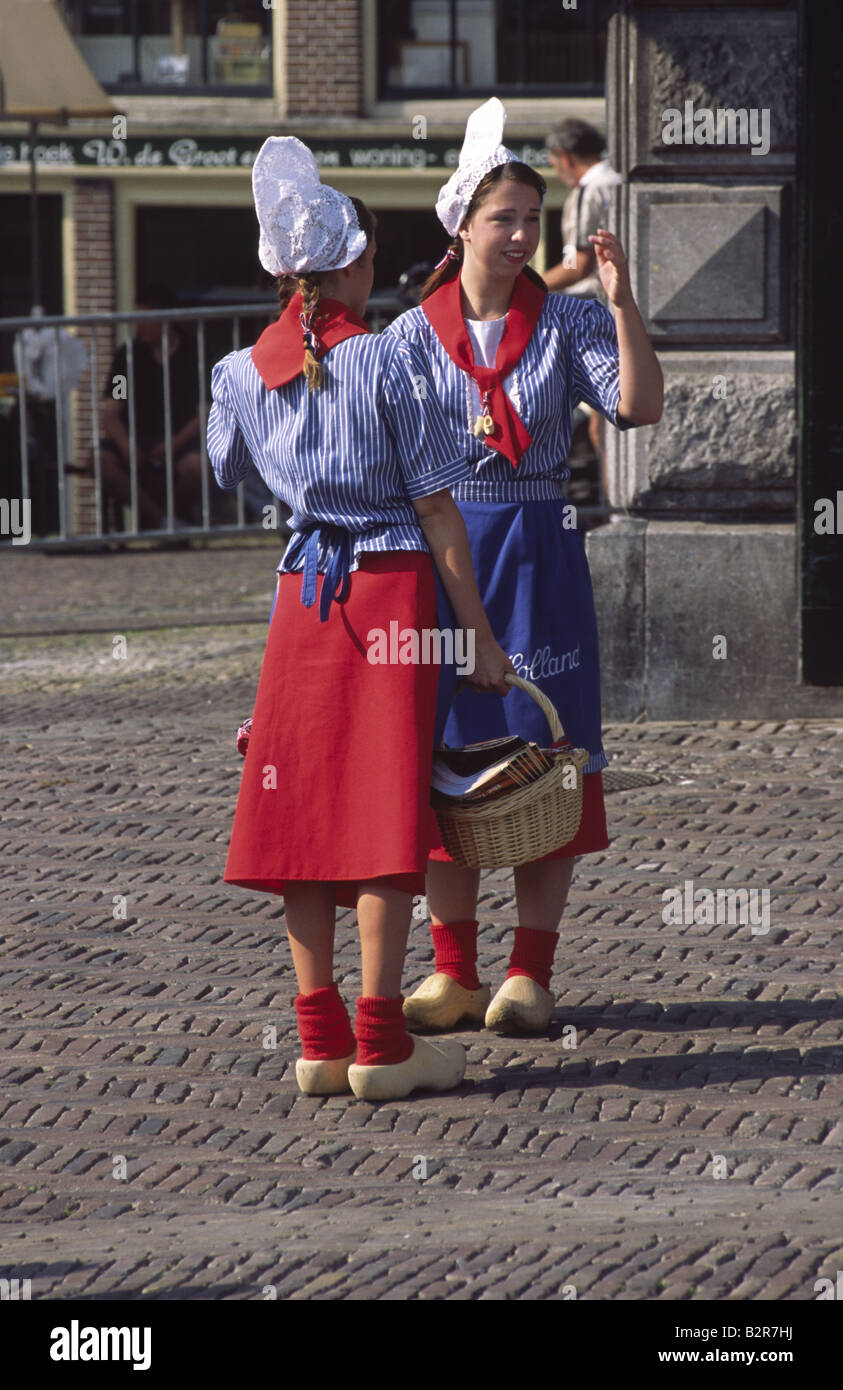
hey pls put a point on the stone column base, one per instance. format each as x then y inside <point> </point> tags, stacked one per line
<point>699,620</point>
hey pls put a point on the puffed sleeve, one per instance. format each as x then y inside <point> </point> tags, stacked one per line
<point>595,367</point>
<point>227,450</point>
<point>428,455</point>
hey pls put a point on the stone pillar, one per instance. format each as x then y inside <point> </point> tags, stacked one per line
<point>702,127</point>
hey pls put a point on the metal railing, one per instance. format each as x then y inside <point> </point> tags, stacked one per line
<point>81,400</point>
<point>80,393</point>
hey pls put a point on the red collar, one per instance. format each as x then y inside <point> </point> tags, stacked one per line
<point>278,354</point>
<point>444,309</point>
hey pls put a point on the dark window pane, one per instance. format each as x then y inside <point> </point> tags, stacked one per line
<point>16,259</point>
<point>153,16</point>
<point>395,28</point>
<point>239,44</point>
<point>200,252</point>
<point>238,12</point>
<point>557,42</point>
<point>97,16</point>
<point>206,255</point>
<point>404,239</point>
<point>507,44</point>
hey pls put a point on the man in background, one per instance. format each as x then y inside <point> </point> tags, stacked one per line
<point>575,150</point>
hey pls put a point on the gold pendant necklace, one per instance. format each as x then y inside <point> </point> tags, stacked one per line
<point>483,424</point>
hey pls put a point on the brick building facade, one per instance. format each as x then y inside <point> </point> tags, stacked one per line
<point>324,58</point>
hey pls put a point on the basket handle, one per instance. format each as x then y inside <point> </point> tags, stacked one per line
<point>546,706</point>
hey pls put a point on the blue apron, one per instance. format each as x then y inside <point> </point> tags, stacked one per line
<point>536,588</point>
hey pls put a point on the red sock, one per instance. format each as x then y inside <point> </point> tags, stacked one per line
<point>532,955</point>
<point>381,1028</point>
<point>324,1025</point>
<point>455,945</point>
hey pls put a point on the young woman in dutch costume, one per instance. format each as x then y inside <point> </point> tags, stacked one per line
<point>334,799</point>
<point>510,362</point>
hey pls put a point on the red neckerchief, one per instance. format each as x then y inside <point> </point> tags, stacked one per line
<point>278,354</point>
<point>444,309</point>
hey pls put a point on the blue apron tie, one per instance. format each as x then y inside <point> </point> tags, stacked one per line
<point>336,573</point>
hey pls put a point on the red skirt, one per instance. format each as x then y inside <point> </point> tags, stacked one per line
<point>336,779</point>
<point>591,836</point>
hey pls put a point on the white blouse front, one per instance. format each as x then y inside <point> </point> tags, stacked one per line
<point>485,335</point>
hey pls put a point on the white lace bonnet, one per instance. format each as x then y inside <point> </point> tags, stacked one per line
<point>304,223</point>
<point>481,152</point>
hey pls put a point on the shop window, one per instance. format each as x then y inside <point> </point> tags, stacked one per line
<point>210,254</point>
<point>175,45</point>
<point>446,48</point>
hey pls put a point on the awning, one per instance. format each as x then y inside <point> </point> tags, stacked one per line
<point>43,75</point>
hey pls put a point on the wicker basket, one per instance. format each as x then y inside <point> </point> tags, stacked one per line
<point>526,823</point>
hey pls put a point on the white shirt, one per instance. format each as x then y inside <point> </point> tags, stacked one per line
<point>485,335</point>
<point>601,172</point>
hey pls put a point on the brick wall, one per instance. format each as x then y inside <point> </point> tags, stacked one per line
<point>324,57</point>
<point>93,210</point>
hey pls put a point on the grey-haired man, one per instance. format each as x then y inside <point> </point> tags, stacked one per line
<point>575,150</point>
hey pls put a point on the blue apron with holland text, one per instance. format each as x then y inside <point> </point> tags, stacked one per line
<point>536,588</point>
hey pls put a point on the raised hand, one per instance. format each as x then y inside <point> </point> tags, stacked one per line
<point>612,266</point>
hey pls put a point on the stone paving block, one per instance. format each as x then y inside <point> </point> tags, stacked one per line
<point>143,1036</point>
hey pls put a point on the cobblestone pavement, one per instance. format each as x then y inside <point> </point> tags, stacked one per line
<point>152,1140</point>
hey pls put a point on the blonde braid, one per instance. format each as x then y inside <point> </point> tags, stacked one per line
<point>309,287</point>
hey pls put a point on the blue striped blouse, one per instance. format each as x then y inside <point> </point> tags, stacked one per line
<point>572,356</point>
<point>351,454</point>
